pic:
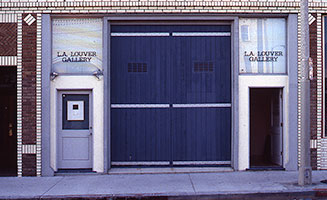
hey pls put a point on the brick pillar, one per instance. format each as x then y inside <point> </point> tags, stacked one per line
<point>313,90</point>
<point>29,31</point>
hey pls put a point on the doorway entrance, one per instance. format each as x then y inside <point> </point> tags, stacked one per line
<point>8,137</point>
<point>170,95</point>
<point>266,111</point>
<point>75,130</point>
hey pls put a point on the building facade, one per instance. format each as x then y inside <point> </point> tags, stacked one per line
<point>96,85</point>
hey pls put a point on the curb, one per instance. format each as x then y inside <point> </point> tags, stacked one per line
<point>314,194</point>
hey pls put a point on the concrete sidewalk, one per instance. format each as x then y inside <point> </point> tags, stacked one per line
<point>221,185</point>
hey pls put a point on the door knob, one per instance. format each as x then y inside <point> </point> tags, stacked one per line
<point>10,126</point>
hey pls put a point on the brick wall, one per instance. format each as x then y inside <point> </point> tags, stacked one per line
<point>313,90</point>
<point>29,94</point>
<point>29,32</point>
<point>29,166</point>
<point>322,151</point>
<point>8,39</point>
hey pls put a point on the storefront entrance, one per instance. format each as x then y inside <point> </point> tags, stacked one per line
<point>75,130</point>
<point>266,124</point>
<point>8,136</point>
<point>170,95</point>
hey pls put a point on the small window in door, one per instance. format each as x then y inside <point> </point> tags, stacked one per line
<point>203,67</point>
<point>75,111</point>
<point>137,67</point>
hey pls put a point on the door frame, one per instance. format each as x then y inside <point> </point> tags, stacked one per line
<point>281,124</point>
<point>281,120</point>
<point>281,127</point>
<point>177,20</point>
<point>59,120</point>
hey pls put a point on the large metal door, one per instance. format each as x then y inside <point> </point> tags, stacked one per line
<point>140,118</point>
<point>170,94</point>
<point>201,94</point>
<point>74,130</point>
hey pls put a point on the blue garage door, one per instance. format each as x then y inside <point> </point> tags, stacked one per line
<point>170,95</point>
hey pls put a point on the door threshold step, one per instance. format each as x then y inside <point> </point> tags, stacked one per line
<point>265,168</point>
<point>169,170</point>
<point>71,172</point>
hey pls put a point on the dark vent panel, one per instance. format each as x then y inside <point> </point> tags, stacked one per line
<point>137,67</point>
<point>203,66</point>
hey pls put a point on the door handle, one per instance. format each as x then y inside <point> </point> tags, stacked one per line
<point>10,127</point>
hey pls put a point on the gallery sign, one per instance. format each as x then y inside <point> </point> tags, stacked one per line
<point>263,56</point>
<point>76,45</point>
<point>262,45</point>
<point>76,56</point>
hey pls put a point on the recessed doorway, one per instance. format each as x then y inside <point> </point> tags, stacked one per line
<point>266,125</point>
<point>75,137</point>
<point>8,136</point>
<point>170,106</point>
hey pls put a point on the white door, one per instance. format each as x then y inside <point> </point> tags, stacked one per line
<point>277,127</point>
<point>74,130</point>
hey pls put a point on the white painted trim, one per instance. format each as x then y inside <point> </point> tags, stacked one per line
<point>201,162</point>
<point>320,88</point>
<point>19,96</point>
<point>139,163</point>
<point>313,144</point>
<point>79,83</point>
<point>29,19</point>
<point>29,149</point>
<point>139,105</point>
<point>203,105</point>
<point>140,34</point>
<point>199,105</point>
<point>8,60</point>
<point>8,18</point>
<point>174,163</point>
<point>299,89</point>
<point>311,19</point>
<point>265,81</point>
<point>201,34</point>
<point>38,94</point>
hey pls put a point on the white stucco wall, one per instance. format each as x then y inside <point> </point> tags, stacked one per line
<point>75,83</point>
<point>259,81</point>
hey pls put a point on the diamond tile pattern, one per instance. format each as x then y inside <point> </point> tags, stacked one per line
<point>29,19</point>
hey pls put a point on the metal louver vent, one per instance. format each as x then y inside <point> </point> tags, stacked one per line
<point>137,67</point>
<point>203,66</point>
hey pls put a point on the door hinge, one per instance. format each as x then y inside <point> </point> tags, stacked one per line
<point>281,124</point>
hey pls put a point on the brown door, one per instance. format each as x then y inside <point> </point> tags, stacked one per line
<point>8,136</point>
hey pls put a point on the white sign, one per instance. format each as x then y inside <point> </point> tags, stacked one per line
<point>77,45</point>
<point>262,46</point>
<point>75,110</point>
